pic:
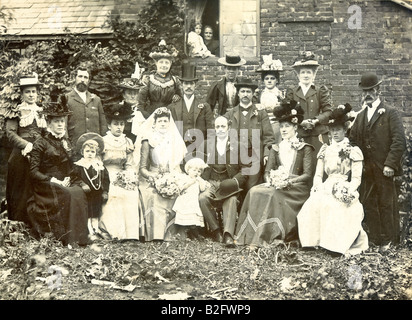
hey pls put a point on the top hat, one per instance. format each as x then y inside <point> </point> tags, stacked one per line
<point>30,79</point>
<point>234,61</point>
<point>227,188</point>
<point>57,105</point>
<point>85,137</point>
<point>119,111</point>
<point>305,59</point>
<point>289,111</point>
<point>162,50</point>
<point>246,83</point>
<point>369,80</point>
<point>188,72</point>
<point>340,115</point>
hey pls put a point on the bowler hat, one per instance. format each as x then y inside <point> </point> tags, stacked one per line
<point>246,83</point>
<point>369,80</point>
<point>87,137</point>
<point>227,188</point>
<point>188,72</point>
<point>234,61</point>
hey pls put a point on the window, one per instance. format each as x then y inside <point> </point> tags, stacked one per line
<point>235,24</point>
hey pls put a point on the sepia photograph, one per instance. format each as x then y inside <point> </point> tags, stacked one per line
<point>208,157</point>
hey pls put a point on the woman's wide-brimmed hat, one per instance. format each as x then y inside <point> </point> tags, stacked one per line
<point>369,80</point>
<point>118,111</point>
<point>29,79</point>
<point>231,61</point>
<point>289,111</point>
<point>244,82</point>
<point>162,50</point>
<point>341,114</point>
<point>57,105</point>
<point>305,59</point>
<point>88,137</point>
<point>227,188</point>
<point>188,72</point>
<point>130,83</point>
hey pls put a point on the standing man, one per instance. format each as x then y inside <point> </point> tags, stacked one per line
<point>378,131</point>
<point>222,94</point>
<point>87,110</point>
<point>253,128</point>
<point>224,173</point>
<point>191,116</point>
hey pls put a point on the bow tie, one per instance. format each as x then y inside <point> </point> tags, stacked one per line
<point>369,105</point>
<point>244,109</point>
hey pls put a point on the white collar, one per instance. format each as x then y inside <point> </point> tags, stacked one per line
<point>189,101</point>
<point>375,104</point>
<point>97,164</point>
<point>58,136</point>
<point>81,94</point>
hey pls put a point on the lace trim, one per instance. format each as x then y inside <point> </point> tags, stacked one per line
<point>30,117</point>
<point>167,84</point>
<point>96,164</point>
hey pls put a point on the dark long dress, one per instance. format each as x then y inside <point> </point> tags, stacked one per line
<point>20,131</point>
<point>268,213</point>
<point>53,208</point>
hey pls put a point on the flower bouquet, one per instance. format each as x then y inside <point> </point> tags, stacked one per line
<point>126,179</point>
<point>167,185</point>
<point>341,191</point>
<point>279,178</point>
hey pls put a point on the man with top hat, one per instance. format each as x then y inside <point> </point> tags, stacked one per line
<point>224,173</point>
<point>87,110</point>
<point>379,133</point>
<point>314,100</point>
<point>222,94</point>
<point>192,116</point>
<point>253,128</point>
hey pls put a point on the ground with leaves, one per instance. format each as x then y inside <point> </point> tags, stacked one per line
<point>178,270</point>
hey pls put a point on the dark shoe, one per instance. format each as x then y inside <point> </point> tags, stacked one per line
<point>228,241</point>
<point>217,236</point>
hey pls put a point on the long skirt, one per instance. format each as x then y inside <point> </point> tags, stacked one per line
<point>326,222</point>
<point>61,211</point>
<point>268,213</point>
<point>158,215</point>
<point>121,214</point>
<point>19,187</point>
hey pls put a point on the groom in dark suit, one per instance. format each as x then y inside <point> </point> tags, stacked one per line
<point>379,133</point>
<point>192,117</point>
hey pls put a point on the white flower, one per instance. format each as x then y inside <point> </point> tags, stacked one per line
<point>201,106</point>
<point>162,43</point>
<point>332,121</point>
<point>255,113</point>
<point>341,106</point>
<point>294,120</point>
<point>381,110</point>
<point>293,111</point>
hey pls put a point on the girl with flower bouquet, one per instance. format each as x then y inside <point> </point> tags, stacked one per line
<point>94,177</point>
<point>187,208</point>
<point>332,216</point>
<point>121,214</point>
<point>269,210</point>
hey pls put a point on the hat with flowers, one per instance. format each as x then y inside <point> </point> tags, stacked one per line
<point>163,50</point>
<point>305,59</point>
<point>341,114</point>
<point>289,111</point>
<point>118,111</point>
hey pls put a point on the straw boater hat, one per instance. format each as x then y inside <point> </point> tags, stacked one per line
<point>162,50</point>
<point>57,106</point>
<point>246,83</point>
<point>30,79</point>
<point>188,72</point>
<point>289,111</point>
<point>232,61</point>
<point>118,111</point>
<point>90,137</point>
<point>341,115</point>
<point>369,80</point>
<point>305,59</point>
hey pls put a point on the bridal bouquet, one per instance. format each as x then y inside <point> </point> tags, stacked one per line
<point>279,178</point>
<point>126,179</point>
<point>167,185</point>
<point>341,192</point>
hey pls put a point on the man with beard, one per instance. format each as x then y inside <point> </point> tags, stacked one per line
<point>254,130</point>
<point>378,132</point>
<point>87,110</point>
<point>191,116</point>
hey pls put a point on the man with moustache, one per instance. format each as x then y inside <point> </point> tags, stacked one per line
<point>191,116</point>
<point>253,128</point>
<point>222,94</point>
<point>379,133</point>
<point>87,110</point>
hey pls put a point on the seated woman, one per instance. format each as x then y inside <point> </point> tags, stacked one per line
<point>121,214</point>
<point>269,210</point>
<point>332,216</point>
<point>58,205</point>
<point>163,150</point>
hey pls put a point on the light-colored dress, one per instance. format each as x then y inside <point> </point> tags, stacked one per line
<point>121,213</point>
<point>198,47</point>
<point>270,98</point>
<point>325,221</point>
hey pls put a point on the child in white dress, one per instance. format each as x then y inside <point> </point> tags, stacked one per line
<point>186,206</point>
<point>196,43</point>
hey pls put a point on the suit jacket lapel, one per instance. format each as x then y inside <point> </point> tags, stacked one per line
<point>376,115</point>
<point>196,110</point>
